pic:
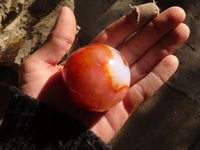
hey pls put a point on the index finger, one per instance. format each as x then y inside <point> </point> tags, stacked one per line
<point>115,34</point>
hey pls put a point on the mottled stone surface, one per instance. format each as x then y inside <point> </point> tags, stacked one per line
<point>170,120</point>
<point>24,26</point>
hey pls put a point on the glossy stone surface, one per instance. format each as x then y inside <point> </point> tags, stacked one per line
<point>97,77</point>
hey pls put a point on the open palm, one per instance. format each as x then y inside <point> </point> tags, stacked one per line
<point>148,54</point>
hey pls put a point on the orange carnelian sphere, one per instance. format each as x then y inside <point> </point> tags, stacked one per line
<point>97,77</point>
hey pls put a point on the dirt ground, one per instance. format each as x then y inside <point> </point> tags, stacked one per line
<point>170,120</point>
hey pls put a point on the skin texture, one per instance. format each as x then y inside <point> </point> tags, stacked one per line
<point>148,54</point>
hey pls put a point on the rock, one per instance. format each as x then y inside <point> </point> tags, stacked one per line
<point>12,47</point>
<point>169,120</point>
<point>25,25</point>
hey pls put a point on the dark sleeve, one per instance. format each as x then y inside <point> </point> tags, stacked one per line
<point>30,125</point>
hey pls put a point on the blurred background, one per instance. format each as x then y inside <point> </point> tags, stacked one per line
<point>170,120</point>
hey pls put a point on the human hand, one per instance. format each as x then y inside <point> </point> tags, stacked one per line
<point>148,54</point>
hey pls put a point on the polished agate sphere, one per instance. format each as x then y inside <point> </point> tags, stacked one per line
<point>97,77</point>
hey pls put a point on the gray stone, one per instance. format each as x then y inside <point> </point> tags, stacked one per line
<point>170,120</point>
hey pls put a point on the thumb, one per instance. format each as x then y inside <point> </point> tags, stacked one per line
<point>59,40</point>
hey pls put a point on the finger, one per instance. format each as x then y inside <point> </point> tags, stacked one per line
<point>137,46</point>
<point>117,32</point>
<point>59,40</point>
<point>166,46</point>
<point>146,87</point>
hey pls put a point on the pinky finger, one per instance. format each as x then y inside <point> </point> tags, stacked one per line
<point>146,87</point>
